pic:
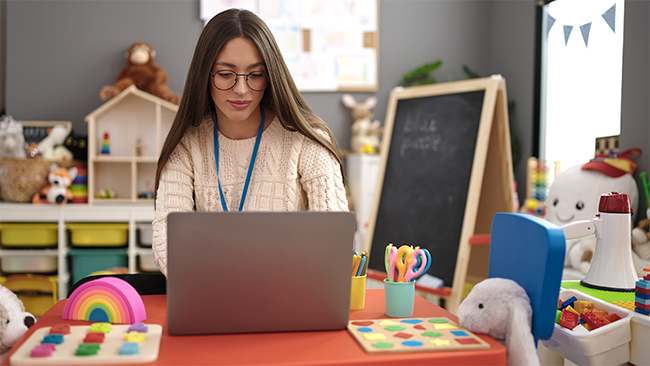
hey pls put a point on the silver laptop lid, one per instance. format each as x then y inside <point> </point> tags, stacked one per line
<point>242,272</point>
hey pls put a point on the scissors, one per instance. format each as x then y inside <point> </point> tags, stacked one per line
<point>418,264</point>
<point>389,261</point>
<point>404,254</point>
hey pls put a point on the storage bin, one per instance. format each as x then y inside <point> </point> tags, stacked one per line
<point>37,292</point>
<point>29,235</point>
<point>146,263</point>
<point>83,262</point>
<point>640,343</point>
<point>145,234</point>
<point>98,235</point>
<point>607,345</point>
<point>29,263</point>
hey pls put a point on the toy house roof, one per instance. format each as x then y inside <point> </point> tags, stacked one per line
<point>131,90</point>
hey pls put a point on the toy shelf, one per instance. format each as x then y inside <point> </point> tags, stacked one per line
<point>125,136</point>
<point>129,213</point>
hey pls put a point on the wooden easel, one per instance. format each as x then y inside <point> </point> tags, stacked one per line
<point>491,179</point>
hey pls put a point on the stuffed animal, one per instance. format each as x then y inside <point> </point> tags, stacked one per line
<point>51,147</point>
<point>14,321</point>
<point>641,237</point>
<point>574,195</point>
<point>365,133</point>
<point>12,140</point>
<point>143,72</point>
<point>500,308</point>
<point>58,190</point>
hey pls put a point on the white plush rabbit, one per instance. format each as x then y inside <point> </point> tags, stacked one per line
<point>501,308</point>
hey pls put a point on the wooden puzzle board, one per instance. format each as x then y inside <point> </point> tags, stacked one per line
<point>413,335</point>
<point>107,354</point>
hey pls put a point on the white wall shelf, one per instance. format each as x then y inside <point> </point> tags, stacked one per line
<point>130,213</point>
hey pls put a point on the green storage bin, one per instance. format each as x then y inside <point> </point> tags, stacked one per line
<point>83,262</point>
<point>29,234</point>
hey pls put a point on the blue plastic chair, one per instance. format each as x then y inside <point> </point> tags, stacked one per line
<point>530,251</point>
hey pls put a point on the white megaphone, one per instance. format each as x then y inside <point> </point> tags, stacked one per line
<point>612,267</point>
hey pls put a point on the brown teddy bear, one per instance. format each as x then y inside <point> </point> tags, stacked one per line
<point>143,72</point>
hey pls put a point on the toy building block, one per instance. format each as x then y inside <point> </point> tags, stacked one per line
<point>569,302</point>
<point>593,321</point>
<point>569,319</point>
<point>612,317</point>
<point>583,306</point>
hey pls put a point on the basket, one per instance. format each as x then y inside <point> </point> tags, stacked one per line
<point>21,178</point>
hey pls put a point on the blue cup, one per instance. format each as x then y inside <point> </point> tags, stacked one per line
<point>399,298</point>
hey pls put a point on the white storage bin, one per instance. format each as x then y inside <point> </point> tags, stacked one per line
<point>607,345</point>
<point>28,263</point>
<point>146,262</point>
<point>640,343</point>
<point>145,234</point>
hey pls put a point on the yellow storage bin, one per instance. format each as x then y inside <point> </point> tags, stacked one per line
<point>99,235</point>
<point>37,292</point>
<point>28,234</point>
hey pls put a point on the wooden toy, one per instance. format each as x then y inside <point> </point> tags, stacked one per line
<point>413,335</point>
<point>79,344</point>
<point>107,299</point>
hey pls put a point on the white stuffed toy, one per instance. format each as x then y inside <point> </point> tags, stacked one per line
<point>575,194</point>
<point>12,140</point>
<point>365,132</point>
<point>14,321</point>
<point>500,308</point>
<point>51,147</point>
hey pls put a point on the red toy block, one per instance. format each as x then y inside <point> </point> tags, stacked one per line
<point>569,319</point>
<point>593,321</point>
<point>94,338</point>
<point>612,317</point>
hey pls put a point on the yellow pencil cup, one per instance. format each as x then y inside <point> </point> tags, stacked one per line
<point>358,295</point>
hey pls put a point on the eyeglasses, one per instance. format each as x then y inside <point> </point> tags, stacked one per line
<point>227,79</point>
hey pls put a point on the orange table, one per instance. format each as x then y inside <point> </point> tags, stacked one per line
<point>290,348</point>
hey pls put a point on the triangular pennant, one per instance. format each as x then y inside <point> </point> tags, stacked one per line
<point>584,29</point>
<point>610,17</point>
<point>549,23</point>
<point>567,33</point>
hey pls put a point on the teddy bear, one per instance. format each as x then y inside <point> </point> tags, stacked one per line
<point>365,133</point>
<point>500,308</point>
<point>574,195</point>
<point>14,321</point>
<point>143,72</point>
<point>58,190</point>
<point>12,140</point>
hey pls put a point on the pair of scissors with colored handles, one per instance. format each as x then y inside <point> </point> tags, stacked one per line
<point>406,263</point>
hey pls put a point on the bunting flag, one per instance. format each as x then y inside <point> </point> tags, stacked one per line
<point>609,16</point>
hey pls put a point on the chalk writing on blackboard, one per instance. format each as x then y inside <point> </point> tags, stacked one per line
<point>419,133</point>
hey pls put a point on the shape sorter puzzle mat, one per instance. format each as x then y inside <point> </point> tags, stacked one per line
<point>120,343</point>
<point>413,334</point>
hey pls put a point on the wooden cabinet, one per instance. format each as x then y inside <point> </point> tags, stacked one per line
<point>125,136</point>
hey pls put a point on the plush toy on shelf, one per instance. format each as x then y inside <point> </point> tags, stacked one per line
<point>143,72</point>
<point>640,234</point>
<point>12,140</point>
<point>500,308</point>
<point>575,193</point>
<point>365,133</point>
<point>14,321</point>
<point>52,147</point>
<point>57,191</point>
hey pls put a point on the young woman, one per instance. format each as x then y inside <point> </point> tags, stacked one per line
<point>243,137</point>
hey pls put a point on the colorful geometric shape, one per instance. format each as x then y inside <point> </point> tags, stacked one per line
<point>388,322</point>
<point>467,341</point>
<point>403,335</point>
<point>413,343</point>
<point>459,333</point>
<point>382,345</point>
<point>129,348</point>
<point>419,327</point>
<point>363,323</point>
<point>107,299</point>
<point>412,321</point>
<point>394,328</point>
<point>53,338</point>
<point>364,329</point>
<point>43,350</point>
<point>374,336</point>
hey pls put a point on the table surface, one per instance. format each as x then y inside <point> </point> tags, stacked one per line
<point>290,348</point>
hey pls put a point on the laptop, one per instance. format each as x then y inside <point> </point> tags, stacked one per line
<point>247,272</point>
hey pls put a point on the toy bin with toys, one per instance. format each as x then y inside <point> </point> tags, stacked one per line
<point>98,234</point>
<point>35,261</point>
<point>605,345</point>
<point>33,235</point>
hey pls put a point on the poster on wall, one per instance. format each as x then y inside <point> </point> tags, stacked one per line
<point>328,45</point>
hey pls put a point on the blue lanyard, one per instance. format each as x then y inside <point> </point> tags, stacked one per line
<point>250,166</point>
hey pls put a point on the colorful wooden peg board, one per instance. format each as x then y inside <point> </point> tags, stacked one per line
<point>145,342</point>
<point>413,335</point>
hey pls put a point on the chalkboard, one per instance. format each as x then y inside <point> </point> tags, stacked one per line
<point>431,175</point>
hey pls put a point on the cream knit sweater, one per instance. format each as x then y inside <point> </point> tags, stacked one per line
<point>291,173</point>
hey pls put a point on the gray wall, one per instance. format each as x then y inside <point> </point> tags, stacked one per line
<point>60,53</point>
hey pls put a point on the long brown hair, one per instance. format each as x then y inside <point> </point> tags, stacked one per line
<point>281,95</point>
